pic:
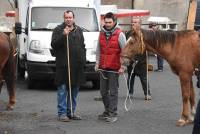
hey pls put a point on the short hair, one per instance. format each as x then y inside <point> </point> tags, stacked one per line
<point>152,24</point>
<point>69,11</point>
<point>110,15</point>
<point>135,17</point>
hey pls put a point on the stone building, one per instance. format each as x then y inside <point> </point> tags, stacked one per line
<point>176,10</point>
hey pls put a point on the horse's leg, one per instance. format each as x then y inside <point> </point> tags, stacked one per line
<point>10,79</point>
<point>1,80</point>
<point>185,89</point>
<point>10,82</point>
<point>192,100</point>
<point>1,84</point>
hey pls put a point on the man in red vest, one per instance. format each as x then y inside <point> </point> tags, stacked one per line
<point>111,41</point>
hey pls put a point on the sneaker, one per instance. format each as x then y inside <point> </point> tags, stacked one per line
<point>75,117</point>
<point>158,70</point>
<point>103,116</point>
<point>131,96</point>
<point>63,118</point>
<point>111,119</point>
<point>147,97</point>
<point>98,98</point>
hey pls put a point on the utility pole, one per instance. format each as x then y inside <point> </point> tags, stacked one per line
<point>191,14</point>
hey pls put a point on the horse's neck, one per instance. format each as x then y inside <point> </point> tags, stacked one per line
<point>159,50</point>
<point>149,48</point>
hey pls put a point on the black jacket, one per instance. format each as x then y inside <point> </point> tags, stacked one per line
<point>77,55</point>
<point>197,73</point>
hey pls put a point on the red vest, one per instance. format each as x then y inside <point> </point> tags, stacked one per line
<point>110,51</point>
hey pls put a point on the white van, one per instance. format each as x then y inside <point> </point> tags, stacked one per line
<point>39,18</point>
<point>164,23</point>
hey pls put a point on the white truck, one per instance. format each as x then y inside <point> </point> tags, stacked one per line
<point>38,18</point>
<point>164,23</point>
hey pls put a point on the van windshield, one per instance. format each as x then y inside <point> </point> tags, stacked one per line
<point>47,18</point>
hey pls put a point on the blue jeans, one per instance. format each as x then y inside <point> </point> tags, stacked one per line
<point>63,98</point>
<point>160,62</point>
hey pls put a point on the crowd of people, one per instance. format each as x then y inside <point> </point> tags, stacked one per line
<point>69,49</point>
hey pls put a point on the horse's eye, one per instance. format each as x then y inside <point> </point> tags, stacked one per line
<point>131,42</point>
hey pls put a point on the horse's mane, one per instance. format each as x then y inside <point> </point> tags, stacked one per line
<point>159,38</point>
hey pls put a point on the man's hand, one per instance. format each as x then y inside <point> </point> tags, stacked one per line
<point>121,70</point>
<point>96,67</point>
<point>66,30</point>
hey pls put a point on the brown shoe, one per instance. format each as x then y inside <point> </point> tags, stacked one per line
<point>147,97</point>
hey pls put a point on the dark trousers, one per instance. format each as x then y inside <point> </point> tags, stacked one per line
<point>196,128</point>
<point>160,62</point>
<point>198,79</point>
<point>109,86</point>
<point>143,79</point>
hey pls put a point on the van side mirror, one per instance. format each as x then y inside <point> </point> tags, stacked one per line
<point>26,30</point>
<point>18,28</point>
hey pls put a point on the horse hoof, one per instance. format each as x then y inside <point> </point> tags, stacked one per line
<point>182,122</point>
<point>10,108</point>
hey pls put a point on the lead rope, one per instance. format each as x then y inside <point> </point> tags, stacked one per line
<point>128,97</point>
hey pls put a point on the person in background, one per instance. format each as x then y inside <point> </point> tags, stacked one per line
<point>111,41</point>
<point>160,61</point>
<point>77,60</point>
<point>140,68</point>
<point>196,127</point>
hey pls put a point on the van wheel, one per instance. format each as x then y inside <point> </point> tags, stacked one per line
<point>96,84</point>
<point>20,72</point>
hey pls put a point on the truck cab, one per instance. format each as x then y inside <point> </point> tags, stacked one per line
<point>39,18</point>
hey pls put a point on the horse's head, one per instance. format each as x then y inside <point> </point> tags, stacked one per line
<point>134,46</point>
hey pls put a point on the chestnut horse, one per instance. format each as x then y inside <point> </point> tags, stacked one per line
<point>7,68</point>
<point>182,51</point>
